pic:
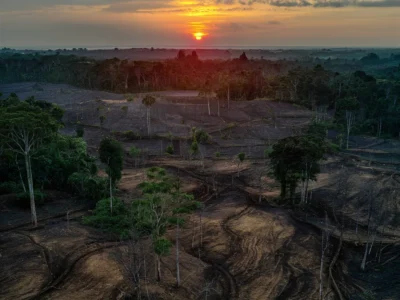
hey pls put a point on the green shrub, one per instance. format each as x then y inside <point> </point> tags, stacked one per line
<point>267,152</point>
<point>8,187</point>
<point>170,149</point>
<point>332,148</point>
<point>23,199</point>
<point>80,131</point>
<point>129,98</point>
<point>124,108</point>
<point>162,246</point>
<point>117,222</point>
<point>134,152</point>
<point>88,186</point>
<point>217,154</point>
<point>241,156</point>
<point>202,136</point>
<point>129,134</point>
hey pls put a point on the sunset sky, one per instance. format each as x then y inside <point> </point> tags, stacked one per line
<point>208,23</point>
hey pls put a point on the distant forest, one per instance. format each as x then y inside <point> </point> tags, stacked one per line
<point>370,92</point>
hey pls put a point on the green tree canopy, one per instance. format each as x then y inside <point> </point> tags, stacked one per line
<point>296,158</point>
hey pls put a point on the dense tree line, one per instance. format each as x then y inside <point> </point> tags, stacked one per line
<point>314,87</point>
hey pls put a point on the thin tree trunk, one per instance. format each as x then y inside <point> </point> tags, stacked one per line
<point>30,186</point>
<point>20,174</point>
<point>201,228</point>
<point>208,104</point>
<point>111,195</point>
<point>364,261</point>
<point>229,96</point>
<point>178,276</point>
<point>158,268</point>
<point>218,107</point>
<point>148,121</point>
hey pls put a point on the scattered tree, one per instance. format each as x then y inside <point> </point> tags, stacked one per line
<point>148,101</point>
<point>111,153</point>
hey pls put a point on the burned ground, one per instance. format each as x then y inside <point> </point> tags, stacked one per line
<point>243,244</point>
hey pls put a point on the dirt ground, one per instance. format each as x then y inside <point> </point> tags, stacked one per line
<point>243,244</point>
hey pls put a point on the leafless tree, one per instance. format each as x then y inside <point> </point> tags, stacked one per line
<point>349,124</point>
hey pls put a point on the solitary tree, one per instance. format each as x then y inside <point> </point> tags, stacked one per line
<point>241,156</point>
<point>207,92</point>
<point>148,101</point>
<point>348,106</point>
<point>134,152</point>
<point>22,129</point>
<point>111,153</point>
<point>295,159</point>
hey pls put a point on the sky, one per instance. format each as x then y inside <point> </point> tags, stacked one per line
<point>199,23</point>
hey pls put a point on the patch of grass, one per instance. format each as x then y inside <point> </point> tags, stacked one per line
<point>131,135</point>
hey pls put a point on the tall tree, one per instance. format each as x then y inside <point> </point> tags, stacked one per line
<point>112,154</point>
<point>163,204</point>
<point>348,107</point>
<point>207,92</point>
<point>148,101</point>
<point>23,129</point>
<point>295,159</point>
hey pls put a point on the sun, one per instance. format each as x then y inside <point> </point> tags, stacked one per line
<point>198,36</point>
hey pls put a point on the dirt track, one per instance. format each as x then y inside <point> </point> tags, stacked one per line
<point>236,248</point>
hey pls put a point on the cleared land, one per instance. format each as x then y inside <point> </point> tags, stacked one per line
<point>242,245</point>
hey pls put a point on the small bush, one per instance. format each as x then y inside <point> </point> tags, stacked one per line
<point>332,148</point>
<point>202,136</point>
<point>124,108</point>
<point>88,186</point>
<point>129,134</point>
<point>267,152</point>
<point>218,154</point>
<point>241,156</point>
<point>117,222</point>
<point>129,98</point>
<point>80,131</point>
<point>8,187</point>
<point>170,149</point>
<point>134,152</point>
<point>24,200</point>
<point>102,119</point>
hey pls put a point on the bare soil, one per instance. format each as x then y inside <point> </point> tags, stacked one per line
<point>244,244</point>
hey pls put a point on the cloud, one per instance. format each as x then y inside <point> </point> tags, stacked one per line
<point>138,5</point>
<point>23,5</point>
<point>383,3</point>
<point>227,2</point>
<point>317,3</point>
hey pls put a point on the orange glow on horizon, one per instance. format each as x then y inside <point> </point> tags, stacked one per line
<point>198,35</point>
